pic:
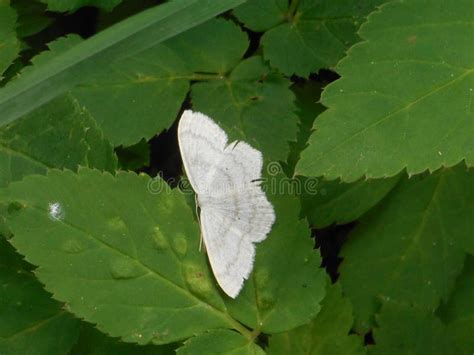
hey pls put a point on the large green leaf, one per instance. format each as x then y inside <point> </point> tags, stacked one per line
<point>458,313</point>
<point>405,96</point>
<point>9,45</point>
<point>327,334</point>
<point>334,202</point>
<point>60,134</point>
<point>311,34</point>
<point>220,342</point>
<point>71,5</point>
<point>126,38</point>
<point>410,249</point>
<point>30,321</point>
<point>110,245</point>
<point>253,104</point>
<point>408,329</point>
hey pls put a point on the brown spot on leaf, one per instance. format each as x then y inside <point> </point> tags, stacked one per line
<point>412,39</point>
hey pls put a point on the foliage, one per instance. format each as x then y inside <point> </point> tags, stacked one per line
<point>328,333</point>
<point>314,33</point>
<point>363,113</point>
<point>31,322</point>
<point>8,39</point>
<point>417,71</point>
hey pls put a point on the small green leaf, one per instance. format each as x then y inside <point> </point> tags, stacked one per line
<point>134,157</point>
<point>59,134</point>
<point>408,329</point>
<point>30,321</point>
<point>252,104</point>
<point>72,5</point>
<point>220,342</point>
<point>311,35</point>
<point>333,202</point>
<point>327,334</point>
<point>458,313</point>
<point>411,249</point>
<point>260,15</point>
<point>307,109</point>
<point>405,96</point>
<point>32,17</point>
<point>9,45</point>
<point>216,46</point>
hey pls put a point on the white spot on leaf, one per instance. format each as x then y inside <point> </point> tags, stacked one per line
<point>56,211</point>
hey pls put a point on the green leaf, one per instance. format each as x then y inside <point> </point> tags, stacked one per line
<point>313,34</point>
<point>72,5</point>
<point>124,39</point>
<point>307,109</point>
<point>30,321</point>
<point>216,46</point>
<point>32,17</point>
<point>253,104</point>
<point>458,313</point>
<point>112,248</point>
<point>93,342</point>
<point>119,245</point>
<point>260,15</point>
<point>404,98</point>
<point>327,334</point>
<point>220,342</point>
<point>9,45</point>
<point>334,202</point>
<point>405,329</point>
<point>411,248</point>
<point>136,97</point>
<point>134,157</point>
<point>60,134</point>
<point>286,271</point>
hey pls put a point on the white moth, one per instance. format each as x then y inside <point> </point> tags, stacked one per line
<point>235,212</point>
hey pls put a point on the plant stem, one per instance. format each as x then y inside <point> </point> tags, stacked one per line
<point>292,8</point>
